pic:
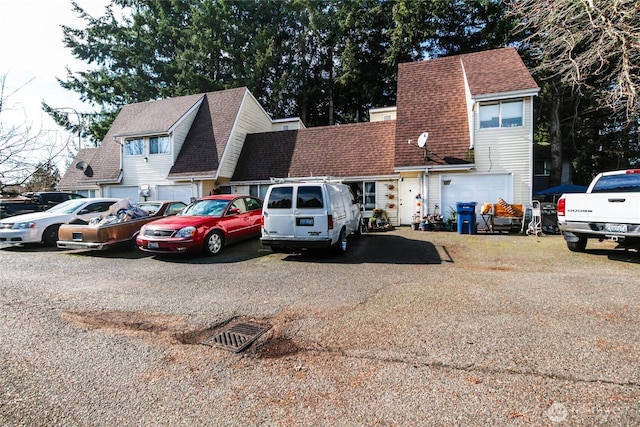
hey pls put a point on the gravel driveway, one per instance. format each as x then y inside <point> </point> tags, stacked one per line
<point>407,328</point>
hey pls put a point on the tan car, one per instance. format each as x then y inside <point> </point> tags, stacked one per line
<point>123,231</point>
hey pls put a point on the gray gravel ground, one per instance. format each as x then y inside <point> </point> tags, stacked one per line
<point>407,328</point>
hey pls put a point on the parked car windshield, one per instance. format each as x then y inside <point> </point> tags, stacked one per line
<point>67,207</point>
<point>206,208</point>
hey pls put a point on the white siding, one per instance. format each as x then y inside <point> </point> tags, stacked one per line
<point>123,192</point>
<point>508,150</point>
<point>382,114</point>
<point>387,199</point>
<point>153,171</point>
<point>251,119</point>
<point>290,124</point>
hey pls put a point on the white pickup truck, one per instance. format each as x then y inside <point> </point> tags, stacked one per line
<point>610,209</point>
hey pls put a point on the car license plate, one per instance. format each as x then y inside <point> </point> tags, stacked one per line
<point>305,221</point>
<point>616,228</point>
<point>153,245</point>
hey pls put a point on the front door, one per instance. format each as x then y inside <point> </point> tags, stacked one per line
<point>409,188</point>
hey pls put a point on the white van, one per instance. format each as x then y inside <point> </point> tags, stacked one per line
<point>306,215</point>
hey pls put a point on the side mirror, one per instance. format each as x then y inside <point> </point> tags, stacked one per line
<point>83,211</point>
<point>233,211</point>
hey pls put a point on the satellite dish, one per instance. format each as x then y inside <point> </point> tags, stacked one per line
<point>82,165</point>
<point>85,167</point>
<point>422,139</point>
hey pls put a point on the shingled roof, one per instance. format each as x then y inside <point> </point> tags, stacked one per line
<point>361,149</point>
<point>209,134</point>
<point>431,98</point>
<point>201,151</point>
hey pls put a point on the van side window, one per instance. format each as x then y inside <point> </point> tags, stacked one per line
<point>309,197</point>
<point>281,198</point>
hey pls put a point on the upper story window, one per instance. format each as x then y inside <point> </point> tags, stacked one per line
<point>134,147</point>
<point>542,167</point>
<point>159,145</point>
<point>504,114</point>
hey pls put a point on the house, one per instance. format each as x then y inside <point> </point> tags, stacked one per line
<point>177,148</point>
<point>462,130</point>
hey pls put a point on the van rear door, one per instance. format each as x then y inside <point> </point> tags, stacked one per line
<point>279,212</point>
<point>310,214</point>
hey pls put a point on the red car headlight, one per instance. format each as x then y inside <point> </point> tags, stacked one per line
<point>186,232</point>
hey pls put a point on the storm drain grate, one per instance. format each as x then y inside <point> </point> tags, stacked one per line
<point>237,337</point>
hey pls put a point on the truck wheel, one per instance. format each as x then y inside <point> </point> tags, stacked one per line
<point>578,246</point>
<point>213,243</point>
<point>341,245</point>
<point>50,235</point>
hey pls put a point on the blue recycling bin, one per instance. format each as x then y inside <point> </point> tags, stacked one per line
<point>466,212</point>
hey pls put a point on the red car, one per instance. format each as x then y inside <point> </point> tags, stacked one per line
<point>206,225</point>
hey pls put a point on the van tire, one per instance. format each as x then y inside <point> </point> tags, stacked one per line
<point>341,245</point>
<point>358,230</point>
<point>214,243</point>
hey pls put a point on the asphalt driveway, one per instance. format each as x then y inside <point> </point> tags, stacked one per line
<point>406,328</point>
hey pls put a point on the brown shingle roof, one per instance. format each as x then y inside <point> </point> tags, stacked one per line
<point>361,149</point>
<point>151,117</point>
<point>76,178</point>
<point>202,148</point>
<point>209,134</point>
<point>497,71</point>
<point>431,98</point>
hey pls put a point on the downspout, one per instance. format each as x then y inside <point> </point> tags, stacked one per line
<point>425,188</point>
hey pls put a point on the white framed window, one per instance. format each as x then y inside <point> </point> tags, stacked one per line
<point>259,190</point>
<point>134,147</point>
<point>503,114</point>
<point>365,194</point>
<point>159,145</point>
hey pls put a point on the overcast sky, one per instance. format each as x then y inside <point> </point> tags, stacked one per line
<point>32,54</point>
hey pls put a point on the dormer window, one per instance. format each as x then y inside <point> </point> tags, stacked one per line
<point>134,147</point>
<point>159,145</point>
<point>504,114</point>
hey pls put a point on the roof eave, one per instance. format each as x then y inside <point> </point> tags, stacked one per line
<point>436,168</point>
<point>505,95</point>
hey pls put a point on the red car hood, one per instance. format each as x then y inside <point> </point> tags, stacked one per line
<point>177,222</point>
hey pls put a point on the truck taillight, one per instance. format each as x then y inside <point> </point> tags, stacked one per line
<point>330,221</point>
<point>561,206</point>
<point>632,171</point>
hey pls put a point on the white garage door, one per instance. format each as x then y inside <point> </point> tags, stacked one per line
<point>174,192</point>
<point>122,192</point>
<point>479,188</point>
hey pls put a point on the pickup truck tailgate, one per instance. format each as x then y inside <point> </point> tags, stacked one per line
<point>604,207</point>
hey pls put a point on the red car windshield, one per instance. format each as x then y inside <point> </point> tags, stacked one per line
<point>206,208</point>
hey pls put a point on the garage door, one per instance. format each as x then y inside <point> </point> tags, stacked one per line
<point>478,188</point>
<point>122,192</point>
<point>174,192</point>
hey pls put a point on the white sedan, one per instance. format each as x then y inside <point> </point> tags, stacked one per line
<point>42,227</point>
